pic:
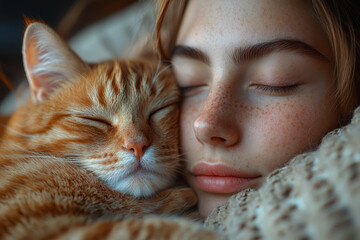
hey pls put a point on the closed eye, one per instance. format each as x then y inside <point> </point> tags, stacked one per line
<point>191,90</point>
<point>276,89</point>
<point>157,110</point>
<point>99,120</point>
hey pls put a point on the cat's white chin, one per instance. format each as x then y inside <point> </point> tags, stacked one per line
<point>142,183</point>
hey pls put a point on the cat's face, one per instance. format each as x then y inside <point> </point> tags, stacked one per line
<point>117,119</point>
<point>120,122</point>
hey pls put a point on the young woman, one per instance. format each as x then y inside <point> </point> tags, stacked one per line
<point>262,81</point>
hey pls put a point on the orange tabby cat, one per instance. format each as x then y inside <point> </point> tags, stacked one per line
<point>93,138</point>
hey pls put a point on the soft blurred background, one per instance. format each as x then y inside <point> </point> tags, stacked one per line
<point>68,18</point>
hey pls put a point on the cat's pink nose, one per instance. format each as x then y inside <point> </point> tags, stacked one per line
<point>138,147</point>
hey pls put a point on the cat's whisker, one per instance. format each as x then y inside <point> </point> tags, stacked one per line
<point>159,72</point>
<point>169,155</point>
<point>179,171</point>
<point>52,155</point>
<point>81,75</point>
<point>42,157</point>
<point>25,150</point>
<point>32,154</point>
<point>158,66</point>
<point>15,131</point>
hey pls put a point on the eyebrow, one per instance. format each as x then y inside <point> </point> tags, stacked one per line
<point>262,49</point>
<point>254,51</point>
<point>190,52</point>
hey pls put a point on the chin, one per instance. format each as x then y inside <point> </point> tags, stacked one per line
<point>140,186</point>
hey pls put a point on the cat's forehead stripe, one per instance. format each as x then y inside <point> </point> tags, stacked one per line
<point>101,95</point>
<point>114,85</point>
<point>128,87</point>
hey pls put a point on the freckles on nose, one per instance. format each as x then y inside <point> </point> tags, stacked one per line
<point>220,100</point>
<point>215,125</point>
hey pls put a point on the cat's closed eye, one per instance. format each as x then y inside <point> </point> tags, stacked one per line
<point>98,120</point>
<point>162,111</point>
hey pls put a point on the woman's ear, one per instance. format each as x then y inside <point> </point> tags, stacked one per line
<point>48,60</point>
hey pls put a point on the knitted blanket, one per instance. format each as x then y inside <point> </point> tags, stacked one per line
<point>315,196</point>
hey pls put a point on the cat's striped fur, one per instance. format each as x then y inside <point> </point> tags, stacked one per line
<point>93,138</point>
<point>99,120</point>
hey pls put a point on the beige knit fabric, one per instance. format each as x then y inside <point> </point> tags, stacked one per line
<point>316,196</point>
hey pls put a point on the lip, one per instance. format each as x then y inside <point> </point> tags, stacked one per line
<point>218,178</point>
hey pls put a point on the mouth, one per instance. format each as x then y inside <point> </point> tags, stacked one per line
<point>141,172</point>
<point>221,179</point>
<point>140,182</point>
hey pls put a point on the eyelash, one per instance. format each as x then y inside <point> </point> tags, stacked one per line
<point>186,91</point>
<point>183,90</point>
<point>277,89</point>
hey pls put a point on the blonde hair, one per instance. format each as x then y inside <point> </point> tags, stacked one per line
<point>339,19</point>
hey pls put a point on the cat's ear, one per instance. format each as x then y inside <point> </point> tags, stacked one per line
<point>48,60</point>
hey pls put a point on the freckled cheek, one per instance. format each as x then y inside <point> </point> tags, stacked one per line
<point>283,133</point>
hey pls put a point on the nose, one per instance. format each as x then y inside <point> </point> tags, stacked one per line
<point>216,124</point>
<point>138,147</point>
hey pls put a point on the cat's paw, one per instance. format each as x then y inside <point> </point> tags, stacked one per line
<point>176,200</point>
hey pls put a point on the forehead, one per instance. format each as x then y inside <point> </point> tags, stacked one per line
<point>227,24</point>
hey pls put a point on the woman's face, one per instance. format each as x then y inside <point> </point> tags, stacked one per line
<point>257,89</point>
